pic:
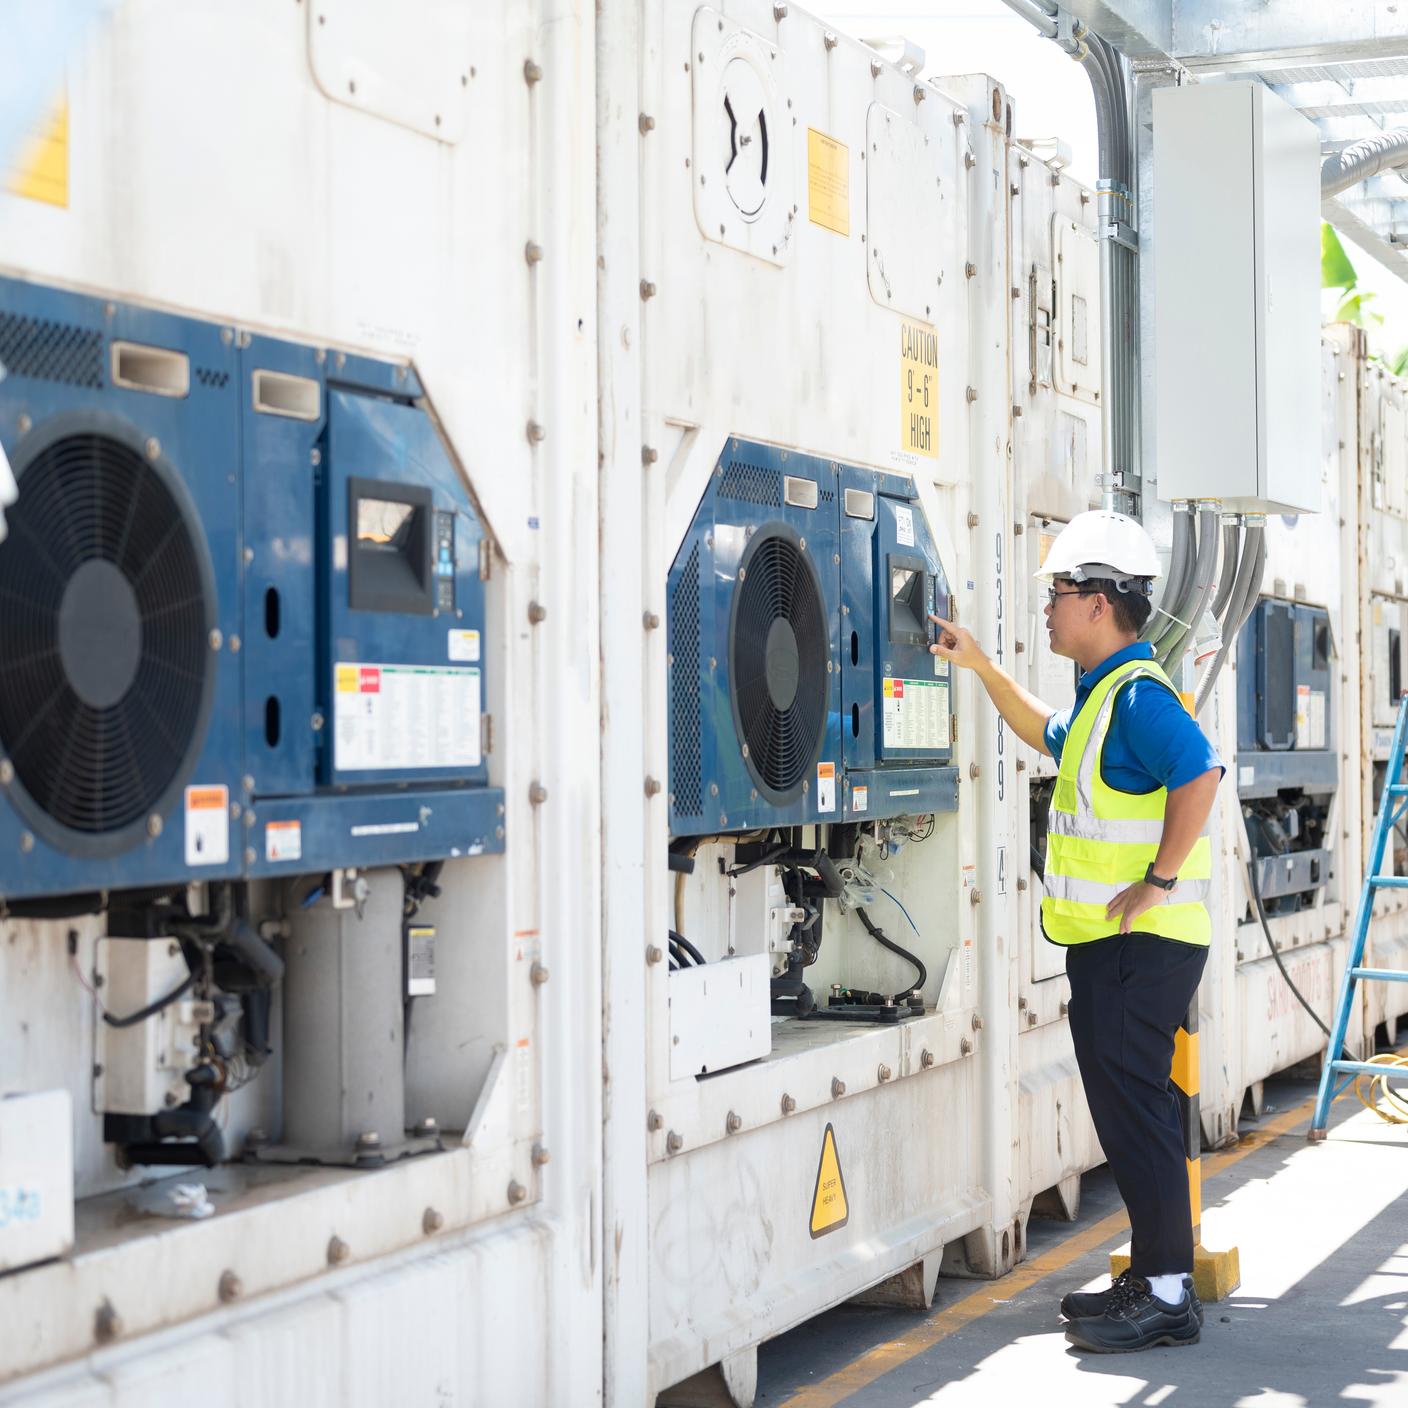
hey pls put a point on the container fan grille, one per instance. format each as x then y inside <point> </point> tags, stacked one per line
<point>778,645</point>
<point>103,634</point>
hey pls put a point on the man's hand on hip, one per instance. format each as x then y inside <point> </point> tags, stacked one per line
<point>1130,903</point>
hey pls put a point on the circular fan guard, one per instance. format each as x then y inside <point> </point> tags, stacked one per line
<point>106,609</point>
<point>778,649</point>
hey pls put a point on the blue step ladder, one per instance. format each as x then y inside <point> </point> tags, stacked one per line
<point>1339,1074</point>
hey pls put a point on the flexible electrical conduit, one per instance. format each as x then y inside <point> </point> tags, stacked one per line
<point>1231,538</point>
<point>1381,152</point>
<point>1244,594</point>
<point>1179,558</point>
<point>1176,611</point>
<point>1204,581</point>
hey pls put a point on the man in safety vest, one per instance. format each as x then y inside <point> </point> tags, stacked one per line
<point>1126,882</point>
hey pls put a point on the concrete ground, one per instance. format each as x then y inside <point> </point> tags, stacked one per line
<point>1321,1316</point>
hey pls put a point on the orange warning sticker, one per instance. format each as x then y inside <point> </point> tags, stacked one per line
<point>207,825</point>
<point>830,1210</point>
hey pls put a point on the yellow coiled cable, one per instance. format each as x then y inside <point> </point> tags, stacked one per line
<point>1381,1098</point>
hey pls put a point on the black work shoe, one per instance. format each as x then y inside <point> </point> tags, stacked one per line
<point>1136,1319</point>
<point>1080,1305</point>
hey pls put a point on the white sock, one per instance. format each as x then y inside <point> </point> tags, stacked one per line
<point>1168,1289</point>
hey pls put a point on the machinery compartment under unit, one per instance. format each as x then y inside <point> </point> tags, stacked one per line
<point>802,690</point>
<point>241,608</point>
<point>1287,770</point>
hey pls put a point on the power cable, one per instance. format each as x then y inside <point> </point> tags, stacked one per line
<point>1271,943</point>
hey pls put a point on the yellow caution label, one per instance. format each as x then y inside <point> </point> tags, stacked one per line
<point>828,182</point>
<point>41,173</point>
<point>919,390</point>
<point>348,678</point>
<point>1185,1061</point>
<point>829,1208</point>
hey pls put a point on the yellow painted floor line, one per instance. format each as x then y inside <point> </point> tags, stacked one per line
<point>879,1361</point>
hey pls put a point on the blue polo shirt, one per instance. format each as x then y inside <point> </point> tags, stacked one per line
<point>1153,741</point>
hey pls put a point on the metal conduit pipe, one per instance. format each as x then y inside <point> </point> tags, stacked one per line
<point>1231,539</point>
<point>1204,583</point>
<point>1382,152</point>
<point>1176,613</point>
<point>1036,15</point>
<point>1244,594</point>
<point>1118,288</point>
<point>1173,610</point>
<point>1180,560</point>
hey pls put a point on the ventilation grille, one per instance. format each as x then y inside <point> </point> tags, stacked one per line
<point>778,646</point>
<point>686,785</point>
<point>213,378</point>
<point>103,631</point>
<point>752,484</point>
<point>49,351</point>
<point>828,496</point>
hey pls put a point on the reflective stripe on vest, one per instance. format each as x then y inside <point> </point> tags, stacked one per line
<point>1101,840</point>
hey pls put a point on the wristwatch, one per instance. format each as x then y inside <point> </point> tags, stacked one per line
<point>1157,881</point>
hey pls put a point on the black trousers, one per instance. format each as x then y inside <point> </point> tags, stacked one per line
<point>1129,995</point>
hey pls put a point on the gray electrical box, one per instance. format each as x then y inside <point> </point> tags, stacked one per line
<point>1236,246</point>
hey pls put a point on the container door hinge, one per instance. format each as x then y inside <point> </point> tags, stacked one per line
<point>484,559</point>
<point>486,734</point>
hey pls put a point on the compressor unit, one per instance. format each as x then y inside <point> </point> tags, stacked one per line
<point>241,609</point>
<point>1287,770</point>
<point>802,690</point>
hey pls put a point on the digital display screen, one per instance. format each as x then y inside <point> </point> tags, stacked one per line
<point>384,522</point>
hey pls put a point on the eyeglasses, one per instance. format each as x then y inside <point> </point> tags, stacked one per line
<point>1053,596</point>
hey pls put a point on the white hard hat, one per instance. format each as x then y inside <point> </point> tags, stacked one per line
<point>1102,545</point>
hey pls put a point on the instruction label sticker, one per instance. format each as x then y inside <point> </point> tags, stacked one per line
<point>207,825</point>
<point>904,525</point>
<point>41,172</point>
<point>464,645</point>
<point>283,840</point>
<point>830,1211</point>
<point>405,716</point>
<point>919,390</point>
<point>826,787</point>
<point>860,799</point>
<point>828,182</point>
<point>1310,718</point>
<point>420,961</point>
<point>916,713</point>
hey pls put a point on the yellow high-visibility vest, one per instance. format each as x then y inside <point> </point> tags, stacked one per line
<point>1100,840</point>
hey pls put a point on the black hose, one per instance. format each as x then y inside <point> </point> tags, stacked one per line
<point>1038,864</point>
<point>152,1008</point>
<point>880,938</point>
<point>242,940</point>
<point>59,907</point>
<point>192,1131</point>
<point>769,857</point>
<point>1271,943</point>
<point>689,948</point>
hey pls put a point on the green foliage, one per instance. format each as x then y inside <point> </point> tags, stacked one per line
<point>1336,270</point>
<point>1352,310</point>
